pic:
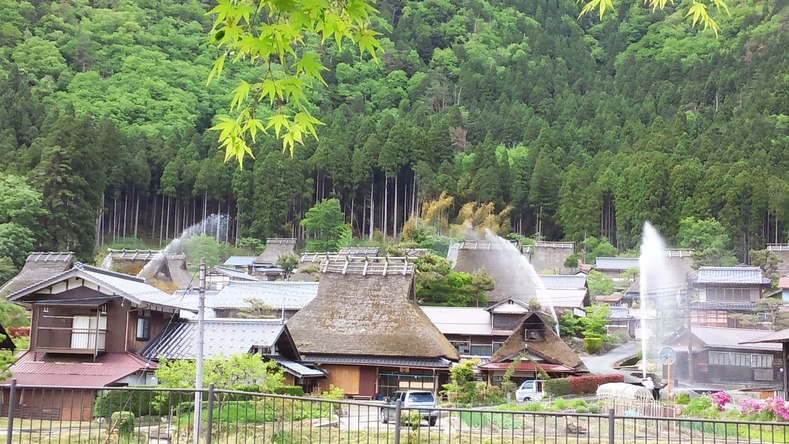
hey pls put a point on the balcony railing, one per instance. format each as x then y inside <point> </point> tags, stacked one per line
<point>70,340</point>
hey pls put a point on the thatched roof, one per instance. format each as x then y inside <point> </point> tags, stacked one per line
<point>357,314</point>
<point>39,266</point>
<point>542,341</point>
<point>274,248</point>
<point>501,262</point>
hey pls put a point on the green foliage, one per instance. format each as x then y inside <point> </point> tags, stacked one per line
<point>325,227</point>
<point>569,325</point>
<point>599,283</point>
<point>21,208</point>
<point>288,262</point>
<point>558,387</point>
<point>701,407</point>
<point>145,403</point>
<point>123,422</point>
<point>235,371</point>
<point>767,261</point>
<point>290,390</point>
<point>595,321</point>
<point>334,393</point>
<point>202,247</point>
<point>437,284</point>
<point>591,345</point>
<point>273,37</point>
<point>682,399</point>
<point>708,240</point>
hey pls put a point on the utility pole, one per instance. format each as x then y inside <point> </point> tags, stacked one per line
<point>199,364</point>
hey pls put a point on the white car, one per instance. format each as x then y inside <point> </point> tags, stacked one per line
<point>530,390</point>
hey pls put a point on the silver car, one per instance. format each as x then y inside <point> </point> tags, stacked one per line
<point>423,400</point>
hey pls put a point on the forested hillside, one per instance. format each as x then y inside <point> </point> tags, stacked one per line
<point>582,127</point>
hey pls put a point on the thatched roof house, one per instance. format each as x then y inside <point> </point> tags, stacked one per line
<point>39,266</point>
<point>275,247</point>
<point>536,338</point>
<point>503,262</point>
<point>365,329</point>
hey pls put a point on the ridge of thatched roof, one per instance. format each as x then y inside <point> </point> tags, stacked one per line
<point>365,265</point>
<point>275,247</point>
<point>547,344</point>
<point>367,315</point>
<point>38,266</point>
<point>500,263</point>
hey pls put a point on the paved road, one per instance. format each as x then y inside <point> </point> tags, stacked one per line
<point>604,364</point>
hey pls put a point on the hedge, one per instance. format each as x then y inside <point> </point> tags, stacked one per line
<point>141,402</point>
<point>558,387</point>
<point>589,384</point>
<point>123,422</point>
<point>291,390</point>
<point>591,345</point>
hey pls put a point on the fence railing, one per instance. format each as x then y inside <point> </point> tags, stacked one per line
<point>166,416</point>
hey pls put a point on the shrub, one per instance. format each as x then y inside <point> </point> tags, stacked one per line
<point>123,422</point>
<point>682,399</point>
<point>591,345</point>
<point>291,390</point>
<point>141,402</point>
<point>589,384</point>
<point>558,387</point>
<point>721,399</point>
<point>560,404</point>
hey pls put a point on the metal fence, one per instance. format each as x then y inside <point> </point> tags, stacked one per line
<point>64,416</point>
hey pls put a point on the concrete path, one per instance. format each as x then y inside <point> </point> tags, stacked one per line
<point>604,364</point>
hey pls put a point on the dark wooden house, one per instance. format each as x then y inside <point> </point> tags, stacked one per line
<point>719,356</point>
<point>87,325</point>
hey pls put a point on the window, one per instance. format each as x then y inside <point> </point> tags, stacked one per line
<point>741,359</point>
<point>463,347</point>
<point>761,361</point>
<point>719,358</point>
<point>482,350</point>
<point>143,329</point>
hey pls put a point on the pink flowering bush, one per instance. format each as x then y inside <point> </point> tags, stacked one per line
<point>767,410</point>
<point>721,399</point>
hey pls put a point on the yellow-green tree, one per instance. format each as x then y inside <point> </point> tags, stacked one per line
<point>698,11</point>
<point>274,35</point>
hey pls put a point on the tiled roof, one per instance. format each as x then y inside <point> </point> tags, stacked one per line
<point>111,283</point>
<point>619,313</point>
<point>378,360</point>
<point>615,263</point>
<point>299,370</point>
<point>233,274</point>
<point>715,305</point>
<point>731,275</point>
<point>38,267</point>
<point>239,261</point>
<point>223,337</point>
<point>720,337</point>
<point>460,320</point>
<point>79,372</point>
<point>563,280</point>
<point>290,295</point>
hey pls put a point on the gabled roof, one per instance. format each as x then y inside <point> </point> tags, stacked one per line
<point>460,320</point>
<point>221,337</point>
<point>731,275</point>
<point>38,267</point>
<point>721,337</point>
<point>78,371</point>
<point>239,261</point>
<point>290,295</point>
<point>232,273</point>
<point>567,298</point>
<point>574,281</point>
<point>550,348</point>
<point>107,282</point>
<point>777,337</point>
<point>275,247</point>
<point>615,263</point>
<point>365,314</point>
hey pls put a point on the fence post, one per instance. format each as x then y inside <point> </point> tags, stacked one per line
<point>398,412</point>
<point>611,428</point>
<point>11,401</point>
<point>210,414</point>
